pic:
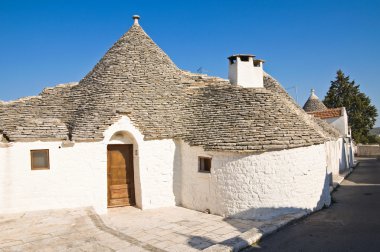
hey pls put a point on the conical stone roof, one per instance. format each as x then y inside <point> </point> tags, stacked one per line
<point>137,79</point>
<point>313,103</point>
<point>134,77</point>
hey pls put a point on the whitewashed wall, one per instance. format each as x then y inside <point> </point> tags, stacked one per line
<point>256,186</point>
<point>337,156</point>
<point>78,173</point>
<point>166,173</point>
<point>197,190</point>
<point>76,177</point>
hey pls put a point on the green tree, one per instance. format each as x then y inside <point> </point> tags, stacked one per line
<point>361,114</point>
<point>373,139</point>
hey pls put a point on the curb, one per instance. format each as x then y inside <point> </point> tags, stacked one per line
<point>255,234</point>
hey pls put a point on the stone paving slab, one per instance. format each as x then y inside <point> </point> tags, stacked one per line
<point>131,229</point>
<point>176,228</point>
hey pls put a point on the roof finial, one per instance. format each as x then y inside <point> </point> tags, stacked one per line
<point>312,91</point>
<point>136,18</point>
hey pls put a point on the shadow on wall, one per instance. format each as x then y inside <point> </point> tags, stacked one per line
<point>330,178</point>
<point>7,181</point>
<point>343,162</point>
<point>177,174</point>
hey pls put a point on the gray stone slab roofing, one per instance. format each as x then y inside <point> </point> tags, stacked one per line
<point>324,129</point>
<point>41,117</point>
<point>137,79</point>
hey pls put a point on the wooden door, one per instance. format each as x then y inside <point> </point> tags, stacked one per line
<point>121,186</point>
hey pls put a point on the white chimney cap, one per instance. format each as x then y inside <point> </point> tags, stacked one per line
<point>241,55</point>
<point>136,18</point>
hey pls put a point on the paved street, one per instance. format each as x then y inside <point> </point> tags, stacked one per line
<point>121,229</point>
<point>352,223</point>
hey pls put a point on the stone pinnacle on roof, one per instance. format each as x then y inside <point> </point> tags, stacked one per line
<point>313,103</point>
<point>312,94</point>
<point>136,19</point>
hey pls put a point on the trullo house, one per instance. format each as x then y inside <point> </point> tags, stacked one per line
<point>137,130</point>
<point>343,147</point>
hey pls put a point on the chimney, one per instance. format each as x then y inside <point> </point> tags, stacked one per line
<point>246,71</point>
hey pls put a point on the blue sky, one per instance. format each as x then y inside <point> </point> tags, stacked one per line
<point>304,43</point>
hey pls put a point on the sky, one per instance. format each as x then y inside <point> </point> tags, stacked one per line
<point>304,43</point>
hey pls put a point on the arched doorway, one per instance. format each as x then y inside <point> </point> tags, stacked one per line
<point>120,171</point>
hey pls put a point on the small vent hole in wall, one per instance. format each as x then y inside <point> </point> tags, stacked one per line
<point>244,58</point>
<point>204,164</point>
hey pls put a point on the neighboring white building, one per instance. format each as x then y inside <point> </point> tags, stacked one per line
<point>336,117</point>
<point>137,130</point>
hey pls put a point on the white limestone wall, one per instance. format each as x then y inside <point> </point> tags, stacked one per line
<point>256,186</point>
<point>351,152</point>
<point>337,156</point>
<point>156,171</point>
<point>334,157</point>
<point>3,171</point>
<point>76,178</point>
<point>197,190</point>
<point>78,173</point>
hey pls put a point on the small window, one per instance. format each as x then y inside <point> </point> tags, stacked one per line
<point>40,159</point>
<point>204,164</point>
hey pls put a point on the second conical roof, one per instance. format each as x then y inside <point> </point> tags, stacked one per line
<point>313,103</point>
